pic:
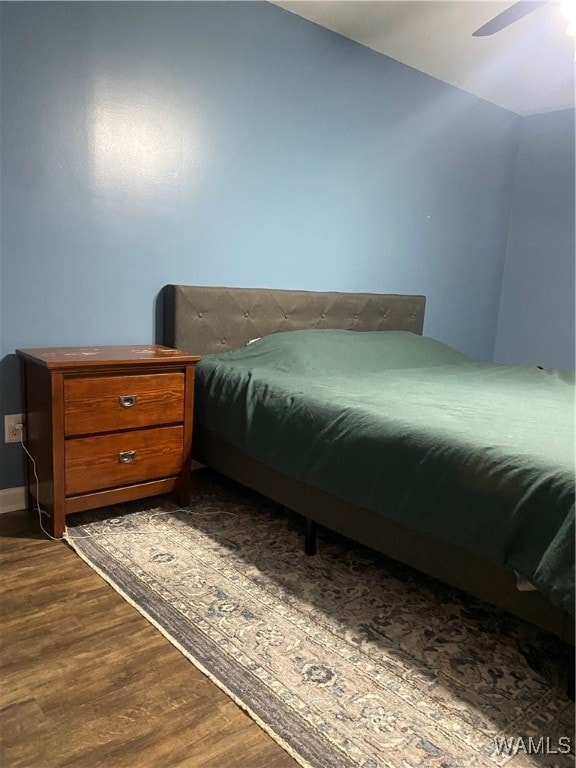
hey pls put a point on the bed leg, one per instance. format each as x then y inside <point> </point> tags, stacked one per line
<point>310,537</point>
<point>571,675</point>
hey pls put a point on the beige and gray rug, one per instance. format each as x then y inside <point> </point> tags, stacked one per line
<point>347,659</point>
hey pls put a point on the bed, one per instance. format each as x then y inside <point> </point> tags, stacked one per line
<point>392,439</point>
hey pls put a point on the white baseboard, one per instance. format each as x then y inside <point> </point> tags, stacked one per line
<point>12,499</point>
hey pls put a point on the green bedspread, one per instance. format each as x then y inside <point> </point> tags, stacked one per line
<point>475,454</point>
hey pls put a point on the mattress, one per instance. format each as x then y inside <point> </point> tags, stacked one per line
<point>473,454</point>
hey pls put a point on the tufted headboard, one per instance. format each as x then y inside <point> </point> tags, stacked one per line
<point>206,319</point>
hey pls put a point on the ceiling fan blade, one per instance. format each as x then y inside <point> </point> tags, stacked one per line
<point>509,16</point>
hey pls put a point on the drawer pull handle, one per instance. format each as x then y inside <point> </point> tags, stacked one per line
<point>127,401</point>
<point>126,457</point>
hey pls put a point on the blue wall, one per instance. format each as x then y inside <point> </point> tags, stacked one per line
<point>237,144</point>
<point>536,322</point>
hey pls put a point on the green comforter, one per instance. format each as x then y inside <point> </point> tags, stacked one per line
<point>475,454</point>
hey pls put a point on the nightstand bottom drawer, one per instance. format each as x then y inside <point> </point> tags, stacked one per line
<point>118,459</point>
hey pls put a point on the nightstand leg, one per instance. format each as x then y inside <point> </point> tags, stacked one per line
<point>58,522</point>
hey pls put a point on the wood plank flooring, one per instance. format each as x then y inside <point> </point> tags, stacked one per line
<point>86,681</point>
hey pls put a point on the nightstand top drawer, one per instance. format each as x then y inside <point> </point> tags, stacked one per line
<point>63,358</point>
<point>94,404</point>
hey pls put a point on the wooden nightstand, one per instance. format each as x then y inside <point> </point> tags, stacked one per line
<point>106,425</point>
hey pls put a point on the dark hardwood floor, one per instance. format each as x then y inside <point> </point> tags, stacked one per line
<point>86,681</point>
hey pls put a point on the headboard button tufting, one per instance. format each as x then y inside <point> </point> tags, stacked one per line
<point>190,327</point>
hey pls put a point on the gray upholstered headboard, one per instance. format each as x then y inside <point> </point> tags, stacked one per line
<point>205,319</point>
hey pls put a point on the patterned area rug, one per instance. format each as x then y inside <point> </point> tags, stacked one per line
<point>347,659</point>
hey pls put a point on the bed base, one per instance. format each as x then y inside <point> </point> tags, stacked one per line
<point>488,581</point>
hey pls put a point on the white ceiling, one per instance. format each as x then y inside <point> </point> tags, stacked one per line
<point>527,67</point>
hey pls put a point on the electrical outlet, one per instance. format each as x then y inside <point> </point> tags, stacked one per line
<point>11,433</point>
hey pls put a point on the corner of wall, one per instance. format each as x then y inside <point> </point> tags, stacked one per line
<point>511,195</point>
